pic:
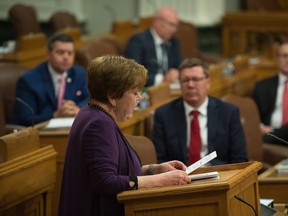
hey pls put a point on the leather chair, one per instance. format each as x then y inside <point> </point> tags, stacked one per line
<point>144,148</point>
<point>189,44</point>
<point>158,94</point>
<point>2,117</point>
<point>257,150</point>
<point>61,20</point>
<point>92,49</point>
<point>24,20</point>
<point>9,74</point>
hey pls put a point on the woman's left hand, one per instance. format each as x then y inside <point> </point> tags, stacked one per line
<point>170,165</point>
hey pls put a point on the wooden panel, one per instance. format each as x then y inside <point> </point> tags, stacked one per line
<point>27,181</point>
<point>209,197</point>
<point>274,185</point>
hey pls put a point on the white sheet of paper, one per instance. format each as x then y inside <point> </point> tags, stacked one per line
<point>201,162</point>
<point>59,123</point>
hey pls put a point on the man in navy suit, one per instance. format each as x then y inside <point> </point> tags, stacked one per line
<point>269,96</point>
<point>157,48</point>
<point>219,122</point>
<point>39,88</point>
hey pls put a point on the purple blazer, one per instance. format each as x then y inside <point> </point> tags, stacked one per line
<point>98,163</point>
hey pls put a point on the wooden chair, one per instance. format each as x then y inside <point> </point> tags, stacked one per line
<point>144,148</point>
<point>257,150</point>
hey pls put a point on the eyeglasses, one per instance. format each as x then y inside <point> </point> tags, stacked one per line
<point>195,80</point>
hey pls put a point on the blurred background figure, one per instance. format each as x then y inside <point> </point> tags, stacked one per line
<point>157,48</point>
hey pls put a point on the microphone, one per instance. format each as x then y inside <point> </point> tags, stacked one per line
<point>277,138</point>
<point>28,106</point>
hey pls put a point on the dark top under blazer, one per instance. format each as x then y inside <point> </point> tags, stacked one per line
<point>142,49</point>
<point>97,166</point>
<point>36,89</point>
<point>225,133</point>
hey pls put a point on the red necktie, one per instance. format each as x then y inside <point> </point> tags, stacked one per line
<point>61,91</point>
<point>285,104</point>
<point>195,139</point>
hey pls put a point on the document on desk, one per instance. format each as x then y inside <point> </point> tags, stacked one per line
<point>201,162</point>
<point>59,123</point>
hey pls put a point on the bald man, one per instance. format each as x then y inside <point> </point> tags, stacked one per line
<point>157,48</point>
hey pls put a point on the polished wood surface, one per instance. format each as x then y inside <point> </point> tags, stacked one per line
<point>274,185</point>
<point>27,180</point>
<point>208,197</point>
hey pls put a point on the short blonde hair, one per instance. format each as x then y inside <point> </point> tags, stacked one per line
<point>112,75</point>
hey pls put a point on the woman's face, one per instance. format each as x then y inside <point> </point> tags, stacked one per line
<point>125,106</point>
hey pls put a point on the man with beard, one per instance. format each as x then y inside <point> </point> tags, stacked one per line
<point>54,88</point>
<point>196,124</point>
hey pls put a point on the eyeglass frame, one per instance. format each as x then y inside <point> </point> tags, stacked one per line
<point>195,80</point>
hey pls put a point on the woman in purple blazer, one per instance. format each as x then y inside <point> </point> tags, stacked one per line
<point>99,161</point>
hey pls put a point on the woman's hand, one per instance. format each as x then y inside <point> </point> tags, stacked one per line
<point>170,165</point>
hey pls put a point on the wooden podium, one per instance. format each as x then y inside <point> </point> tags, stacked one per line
<point>27,174</point>
<point>206,197</point>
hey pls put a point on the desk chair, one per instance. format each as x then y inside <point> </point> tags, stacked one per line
<point>61,20</point>
<point>144,148</point>
<point>158,93</point>
<point>189,44</point>
<point>24,20</point>
<point>9,75</point>
<point>257,150</point>
<point>92,49</point>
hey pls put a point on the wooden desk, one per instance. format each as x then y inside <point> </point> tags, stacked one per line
<point>209,197</point>
<point>274,185</point>
<point>240,28</point>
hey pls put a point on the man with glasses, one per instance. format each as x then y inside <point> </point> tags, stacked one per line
<point>196,124</point>
<point>271,97</point>
<point>157,48</point>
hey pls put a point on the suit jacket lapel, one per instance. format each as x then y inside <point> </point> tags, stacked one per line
<point>272,96</point>
<point>182,128</point>
<point>151,47</point>
<point>212,113</point>
<point>48,83</point>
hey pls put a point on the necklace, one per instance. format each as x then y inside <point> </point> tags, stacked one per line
<point>92,103</point>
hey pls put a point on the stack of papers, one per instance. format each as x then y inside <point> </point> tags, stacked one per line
<point>59,123</point>
<point>282,167</point>
<point>201,162</point>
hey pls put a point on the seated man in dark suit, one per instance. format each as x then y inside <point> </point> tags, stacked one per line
<point>55,88</point>
<point>157,48</point>
<point>271,97</point>
<point>196,124</point>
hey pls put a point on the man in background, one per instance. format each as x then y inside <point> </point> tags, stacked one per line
<point>157,48</point>
<point>271,97</point>
<point>196,124</point>
<point>54,88</point>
